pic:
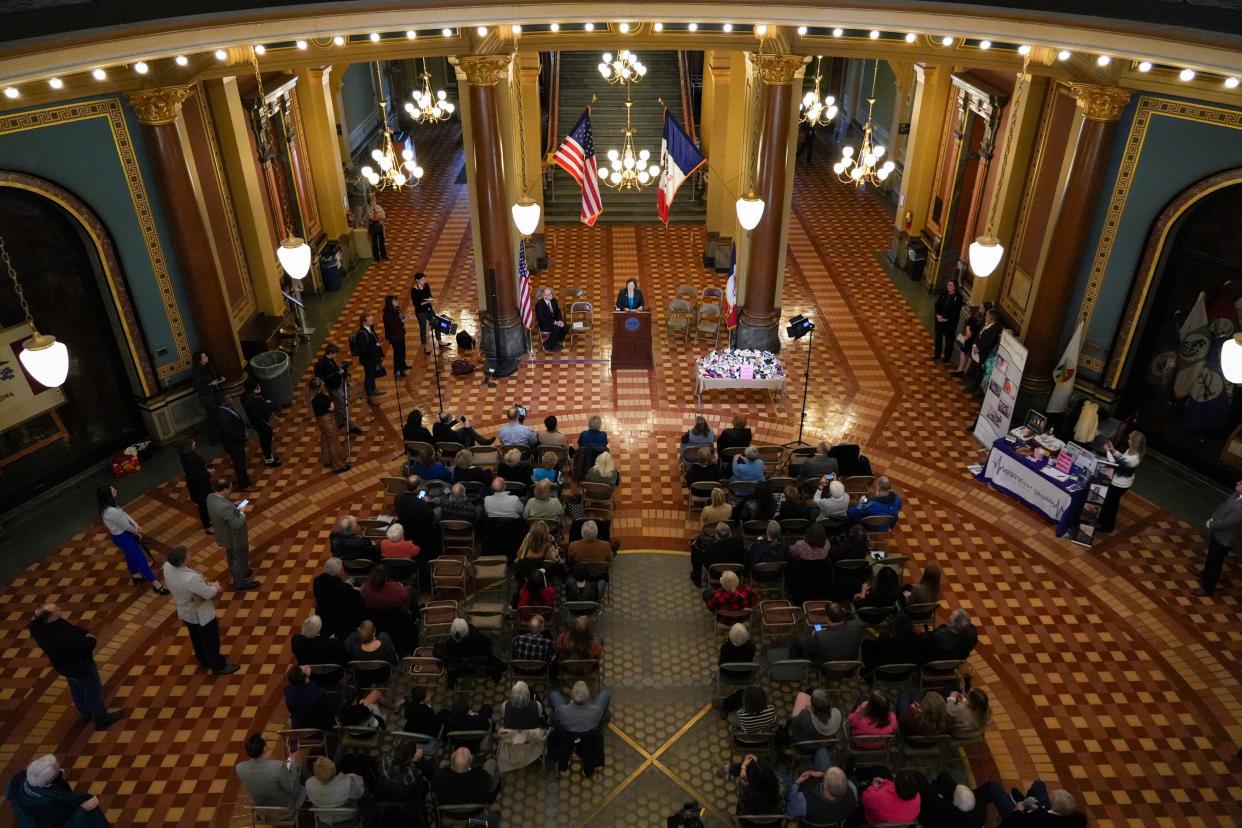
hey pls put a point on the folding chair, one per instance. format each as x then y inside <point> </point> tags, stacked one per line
<point>457,536</point>
<point>524,450</point>
<point>582,669</point>
<point>914,748</point>
<point>524,614</point>
<point>330,817</point>
<point>358,567</point>
<point>574,609</point>
<point>779,618</point>
<point>798,456</point>
<point>486,457</point>
<point>937,675</point>
<point>841,679</point>
<point>778,483</point>
<point>858,485</point>
<point>768,578</point>
<point>453,815</point>
<point>725,619</point>
<point>370,674</point>
<point>415,446</point>
<point>677,318</point>
<point>772,457</point>
<point>404,570</point>
<point>870,749</point>
<point>517,489</point>
<point>489,617</point>
<point>311,741</point>
<point>437,617</point>
<point>741,489</point>
<point>712,294</point>
<point>272,815</point>
<point>534,673</point>
<point>752,529</point>
<point>479,741</point>
<point>924,614</point>
<point>372,528</point>
<point>701,493</point>
<point>814,612</point>
<point>355,737</point>
<point>748,820</point>
<point>716,570</point>
<point>760,744</point>
<point>326,675</point>
<point>893,679</point>
<point>596,495</point>
<point>581,322</point>
<point>732,675</point>
<point>796,671</point>
<point>687,293</point>
<point>708,322</point>
<point>392,486</point>
<point>447,450</point>
<point>874,616</point>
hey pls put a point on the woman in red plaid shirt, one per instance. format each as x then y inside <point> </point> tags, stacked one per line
<point>730,596</point>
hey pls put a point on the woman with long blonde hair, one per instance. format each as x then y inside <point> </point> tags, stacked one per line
<point>1123,478</point>
<point>604,471</point>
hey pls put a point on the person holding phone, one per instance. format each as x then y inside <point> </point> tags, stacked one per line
<point>420,301</point>
<point>229,521</point>
<point>515,432</point>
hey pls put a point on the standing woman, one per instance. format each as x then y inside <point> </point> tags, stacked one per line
<point>375,228</point>
<point>197,480</point>
<point>1123,477</point>
<point>630,297</point>
<point>394,332</point>
<point>987,345</point>
<point>207,385</point>
<point>970,333</point>
<point>948,311</point>
<point>126,534</point>
<point>420,301</point>
<point>331,452</point>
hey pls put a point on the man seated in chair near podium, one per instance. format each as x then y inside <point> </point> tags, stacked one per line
<point>630,297</point>
<point>551,322</point>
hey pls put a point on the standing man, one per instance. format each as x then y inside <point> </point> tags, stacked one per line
<point>193,595</point>
<point>70,648</point>
<point>1223,528</point>
<point>260,410</point>
<point>364,344</point>
<point>551,323</point>
<point>233,436</point>
<point>375,228</point>
<point>335,377</point>
<point>229,521</point>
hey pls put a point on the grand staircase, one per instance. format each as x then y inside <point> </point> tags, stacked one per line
<point>579,80</point>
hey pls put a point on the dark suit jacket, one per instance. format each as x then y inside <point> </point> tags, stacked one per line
<point>546,317</point>
<point>353,547</point>
<point>418,519</point>
<point>338,604</point>
<point>733,438</point>
<point>197,477</point>
<point>369,350</point>
<point>69,647</point>
<point>232,426</point>
<point>988,341</point>
<point>638,300</point>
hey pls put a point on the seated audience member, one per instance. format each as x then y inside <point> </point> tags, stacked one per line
<point>465,471</point>
<point>873,717</point>
<point>589,548</point>
<point>700,434</point>
<point>459,717</point>
<point>547,468</point>
<point>593,436</point>
<point>394,544</point>
<point>969,712</point>
<point>579,643</point>
<point>379,592</point>
<point>718,511</point>
<point>748,466</point>
<point>927,590</point>
<point>365,644</point>
<point>550,436</point>
<point>813,717</point>
<point>1035,810</point>
<point>459,782</point>
<point>534,644</point>
<point>736,436</point>
<point>954,640</point>
<point>405,773</point>
<point>767,548</point>
<point>418,518</point>
<point>730,597</point>
<point>576,725</point>
<point>715,546</point>
<point>41,796</point>
<point>521,711</point>
<point>818,464</point>
<point>756,715</point>
<point>758,787</point>
<point>543,506</point>
<point>886,503</point>
<point>927,717</point>
<point>414,431</point>
<point>513,470</point>
<point>892,800</point>
<point>813,546</point>
<point>703,469</point>
<point>837,640</point>
<point>737,648</point>
<point>308,704</point>
<point>444,432</point>
<point>310,647</point>
<point>516,432</point>
<point>822,798</point>
<point>268,781</point>
<point>604,471</point>
<point>581,587</point>
<point>468,651</point>
<point>897,645</point>
<point>420,716</point>
<point>336,602</point>
<point>502,503</point>
<point>426,466</point>
<point>946,804</point>
<point>538,550</point>
<point>458,506</point>
<point>761,505</point>
<point>885,591</point>
<point>794,508</point>
<point>853,545</point>
<point>348,544</point>
<point>535,592</point>
<point>834,505</point>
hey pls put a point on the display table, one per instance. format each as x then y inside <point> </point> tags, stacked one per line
<point>1023,479</point>
<point>716,371</point>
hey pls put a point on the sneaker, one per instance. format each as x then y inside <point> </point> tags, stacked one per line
<point>245,586</point>
<point>109,720</point>
<point>271,463</point>
<point>342,469</point>
<point>228,669</point>
<point>161,590</point>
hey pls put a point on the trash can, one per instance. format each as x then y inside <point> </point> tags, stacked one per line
<point>271,369</point>
<point>330,266</point>
<point>916,259</point>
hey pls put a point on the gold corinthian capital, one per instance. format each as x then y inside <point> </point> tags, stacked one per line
<point>159,106</point>
<point>776,69</point>
<point>1100,103</point>
<point>483,70</point>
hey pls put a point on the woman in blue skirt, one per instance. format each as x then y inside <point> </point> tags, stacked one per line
<point>125,534</point>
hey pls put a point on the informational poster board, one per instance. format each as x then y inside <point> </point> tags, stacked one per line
<point>1001,392</point>
<point>20,396</point>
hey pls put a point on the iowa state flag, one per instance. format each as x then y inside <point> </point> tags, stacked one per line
<point>679,157</point>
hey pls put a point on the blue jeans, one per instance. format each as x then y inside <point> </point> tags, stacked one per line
<point>87,694</point>
<point>994,792</point>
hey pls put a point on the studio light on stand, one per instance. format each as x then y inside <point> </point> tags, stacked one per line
<point>798,327</point>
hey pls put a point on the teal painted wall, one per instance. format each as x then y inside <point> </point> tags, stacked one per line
<point>358,103</point>
<point>82,157</point>
<point>1176,153</point>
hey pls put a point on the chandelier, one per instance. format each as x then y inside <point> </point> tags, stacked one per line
<point>628,169</point>
<point>861,169</point>
<point>392,173</point>
<point>46,359</point>
<point>428,108</point>
<point>625,69</point>
<point>985,252</point>
<point>817,111</point>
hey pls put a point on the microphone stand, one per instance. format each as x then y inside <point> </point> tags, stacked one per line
<point>396,386</point>
<point>806,385</point>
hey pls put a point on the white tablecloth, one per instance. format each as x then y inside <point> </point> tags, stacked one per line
<point>772,386</point>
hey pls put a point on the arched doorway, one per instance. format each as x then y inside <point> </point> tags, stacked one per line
<point>61,267</point>
<point>1174,386</point>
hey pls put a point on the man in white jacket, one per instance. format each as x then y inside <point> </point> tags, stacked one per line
<point>193,595</point>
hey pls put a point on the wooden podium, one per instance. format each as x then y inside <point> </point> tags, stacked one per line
<point>631,340</point>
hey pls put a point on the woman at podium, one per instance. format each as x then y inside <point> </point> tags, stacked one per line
<point>630,297</point>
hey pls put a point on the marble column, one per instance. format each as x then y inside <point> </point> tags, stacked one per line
<point>918,176</point>
<point>758,326</point>
<point>1095,122</point>
<point>482,73</point>
<point>159,112</point>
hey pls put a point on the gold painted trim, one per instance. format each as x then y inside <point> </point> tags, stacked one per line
<point>110,109</point>
<point>1148,108</point>
<point>303,176</point>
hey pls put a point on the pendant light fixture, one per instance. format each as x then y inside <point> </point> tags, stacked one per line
<point>1231,359</point>
<point>750,206</point>
<point>46,359</point>
<point>864,167</point>
<point>985,252</point>
<point>525,210</point>
<point>294,253</point>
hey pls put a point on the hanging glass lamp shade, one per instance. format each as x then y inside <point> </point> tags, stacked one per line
<point>1230,359</point>
<point>749,211</point>
<point>985,254</point>
<point>46,359</point>
<point>526,215</point>
<point>295,257</point>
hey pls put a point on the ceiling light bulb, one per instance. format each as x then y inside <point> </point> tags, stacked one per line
<point>374,37</point>
<point>625,27</point>
<point>411,34</point>
<point>946,41</point>
<point>446,31</point>
<point>1186,74</point>
<point>556,27</point>
<point>802,31</point>
<point>911,37</point>
<point>761,29</point>
<point>56,83</point>
<point>874,34</point>
<point>1231,83</point>
<point>659,27</point>
<point>99,74</point>
<point>182,60</point>
<point>11,93</point>
<point>590,27</point>
<point>837,32</point>
<point>1063,55</point>
<point>338,41</point>
<point>481,31</point>
<point>985,45</point>
<point>517,28</point>
<point>221,54</point>
<point>1144,66</point>
<point>260,49</point>
<point>694,27</point>
<point>302,45</point>
<point>728,27</point>
<point>141,67</point>
<point>1024,50</point>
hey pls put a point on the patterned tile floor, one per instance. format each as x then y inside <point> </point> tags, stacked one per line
<point>1107,677</point>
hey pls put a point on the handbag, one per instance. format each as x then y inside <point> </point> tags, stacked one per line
<point>381,371</point>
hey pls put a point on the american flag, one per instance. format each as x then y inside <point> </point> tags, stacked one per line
<point>576,156</point>
<point>524,306</point>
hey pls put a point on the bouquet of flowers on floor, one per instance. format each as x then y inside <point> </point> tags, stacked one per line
<point>729,364</point>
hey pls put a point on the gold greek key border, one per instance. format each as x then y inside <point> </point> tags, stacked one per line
<point>110,109</point>
<point>1148,108</point>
